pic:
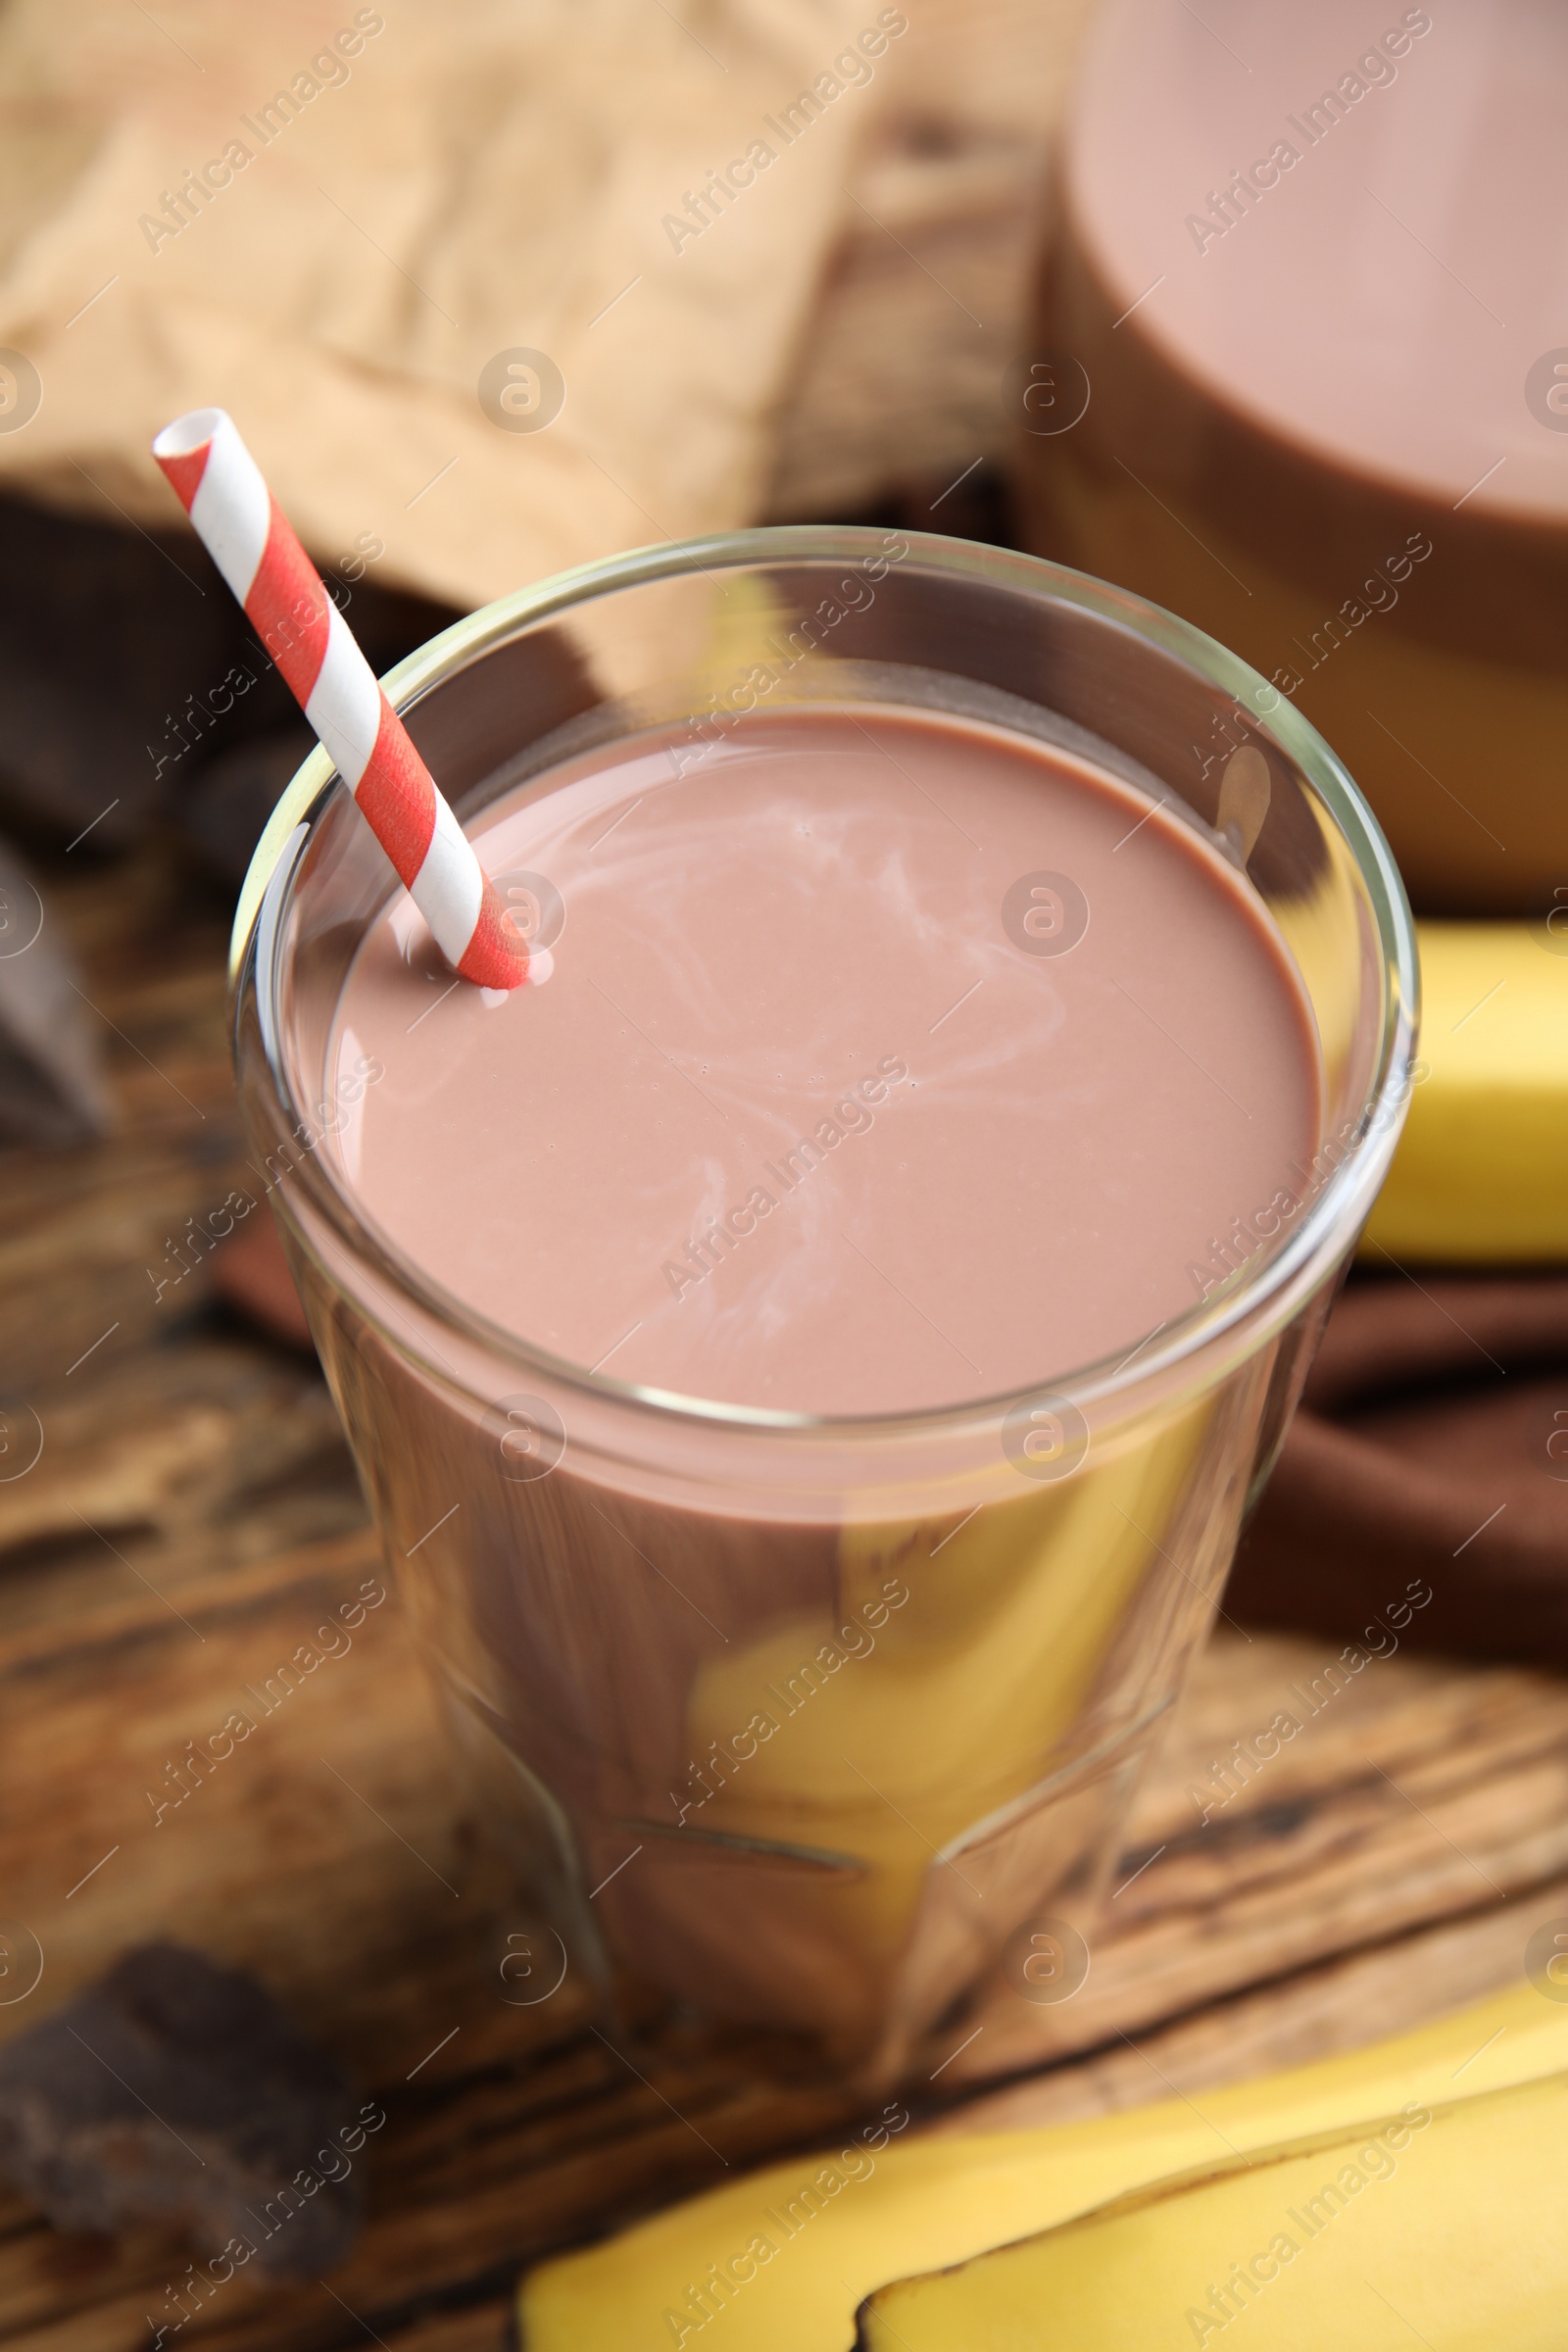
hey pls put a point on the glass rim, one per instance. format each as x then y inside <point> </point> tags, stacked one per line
<point>1340,1203</point>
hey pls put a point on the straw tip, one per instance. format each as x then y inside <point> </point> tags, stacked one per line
<point>188,434</point>
<point>493,962</point>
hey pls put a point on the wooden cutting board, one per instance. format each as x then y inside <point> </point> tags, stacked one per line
<point>190,1521</point>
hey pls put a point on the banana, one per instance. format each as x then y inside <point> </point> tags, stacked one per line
<point>1439,2227</point>
<point>1481,1172</point>
<point>778,2261</point>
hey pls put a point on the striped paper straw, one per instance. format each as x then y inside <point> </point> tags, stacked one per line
<point>249,539</point>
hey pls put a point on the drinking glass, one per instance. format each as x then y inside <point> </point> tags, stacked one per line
<point>803,1722</point>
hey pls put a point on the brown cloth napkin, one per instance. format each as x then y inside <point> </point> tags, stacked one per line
<point>1423,1489</point>
<point>1430,1450</point>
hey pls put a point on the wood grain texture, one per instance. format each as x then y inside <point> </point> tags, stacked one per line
<point>194,1520</point>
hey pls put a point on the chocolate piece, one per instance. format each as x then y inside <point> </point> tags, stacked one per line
<point>177,2091</point>
<point>51,1044</point>
<point>125,665</point>
<point>103,635</point>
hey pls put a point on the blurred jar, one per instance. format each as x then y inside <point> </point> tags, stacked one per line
<point>1299,371</point>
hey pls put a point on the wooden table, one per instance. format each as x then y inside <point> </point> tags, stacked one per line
<point>190,1520</point>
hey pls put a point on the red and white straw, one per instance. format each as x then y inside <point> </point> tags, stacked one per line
<point>251,541</point>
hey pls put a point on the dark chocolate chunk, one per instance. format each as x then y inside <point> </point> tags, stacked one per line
<point>176,2091</point>
<point>104,632</point>
<point>125,665</point>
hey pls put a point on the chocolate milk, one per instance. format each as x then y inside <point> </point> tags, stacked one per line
<point>875,1061</point>
<point>883,1063</point>
<point>1301,374</point>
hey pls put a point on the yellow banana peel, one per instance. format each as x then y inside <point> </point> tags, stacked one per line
<point>779,2260</point>
<point>1481,1172</point>
<point>1442,2226</point>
